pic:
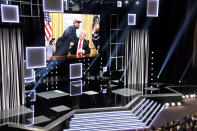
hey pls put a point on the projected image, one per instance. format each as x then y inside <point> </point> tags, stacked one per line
<point>72,34</point>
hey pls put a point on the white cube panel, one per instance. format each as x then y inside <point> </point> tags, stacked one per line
<point>152,8</point>
<point>28,73</point>
<point>9,13</point>
<point>35,57</point>
<point>119,3</point>
<point>53,5</point>
<point>131,19</point>
<point>75,70</point>
<point>33,79</point>
<point>76,88</point>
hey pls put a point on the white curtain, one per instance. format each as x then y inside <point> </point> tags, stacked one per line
<point>136,57</point>
<point>12,68</point>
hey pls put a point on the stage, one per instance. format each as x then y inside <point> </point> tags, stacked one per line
<point>53,108</point>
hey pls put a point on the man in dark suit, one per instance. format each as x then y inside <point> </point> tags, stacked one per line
<point>81,46</point>
<point>68,39</point>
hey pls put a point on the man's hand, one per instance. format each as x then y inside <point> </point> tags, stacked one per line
<point>71,44</point>
<point>81,51</point>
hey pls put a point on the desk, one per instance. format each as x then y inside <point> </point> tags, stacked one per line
<point>59,65</point>
<point>72,57</point>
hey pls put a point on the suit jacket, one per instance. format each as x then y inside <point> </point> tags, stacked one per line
<point>63,42</point>
<point>85,47</point>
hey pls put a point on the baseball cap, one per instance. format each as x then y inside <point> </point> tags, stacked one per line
<point>76,20</point>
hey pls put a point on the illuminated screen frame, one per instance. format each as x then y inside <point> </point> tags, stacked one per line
<point>70,70</point>
<point>72,82</point>
<point>157,9</point>
<point>133,22</point>
<point>27,58</point>
<point>3,13</point>
<point>119,3</point>
<point>61,10</point>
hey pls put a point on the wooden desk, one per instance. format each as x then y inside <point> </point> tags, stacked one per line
<point>72,56</point>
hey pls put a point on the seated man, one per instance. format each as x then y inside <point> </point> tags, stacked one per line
<point>82,45</point>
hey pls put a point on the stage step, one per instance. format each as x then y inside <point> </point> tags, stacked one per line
<point>140,116</point>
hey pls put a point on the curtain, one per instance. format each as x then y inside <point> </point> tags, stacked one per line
<point>87,21</point>
<point>12,66</point>
<point>57,21</point>
<point>136,57</point>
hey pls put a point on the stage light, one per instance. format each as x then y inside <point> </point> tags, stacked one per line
<point>131,19</point>
<point>192,95</point>
<point>31,94</point>
<point>179,103</point>
<point>167,104</point>
<point>137,2</point>
<point>173,104</point>
<point>75,70</point>
<point>183,97</point>
<point>187,96</point>
<point>119,3</point>
<point>53,5</point>
<point>152,8</point>
<point>126,1</point>
<point>9,13</point>
<point>35,57</point>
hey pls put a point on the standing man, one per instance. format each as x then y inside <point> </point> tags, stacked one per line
<point>67,40</point>
<point>81,46</point>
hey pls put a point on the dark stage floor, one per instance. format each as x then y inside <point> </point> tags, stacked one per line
<point>51,101</point>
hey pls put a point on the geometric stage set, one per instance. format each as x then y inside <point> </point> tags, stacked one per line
<point>71,65</point>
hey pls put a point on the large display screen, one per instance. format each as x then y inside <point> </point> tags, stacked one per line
<point>72,34</point>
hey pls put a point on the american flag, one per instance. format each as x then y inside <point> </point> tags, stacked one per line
<point>48,28</point>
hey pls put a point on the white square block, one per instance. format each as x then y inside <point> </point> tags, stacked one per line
<point>75,70</point>
<point>131,19</point>
<point>53,5</point>
<point>33,79</point>
<point>9,13</point>
<point>152,8</point>
<point>119,3</point>
<point>28,73</point>
<point>35,57</point>
<point>76,88</point>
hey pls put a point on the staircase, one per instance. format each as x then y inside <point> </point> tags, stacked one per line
<point>140,116</point>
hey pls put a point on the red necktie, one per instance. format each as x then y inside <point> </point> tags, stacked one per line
<point>80,45</point>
